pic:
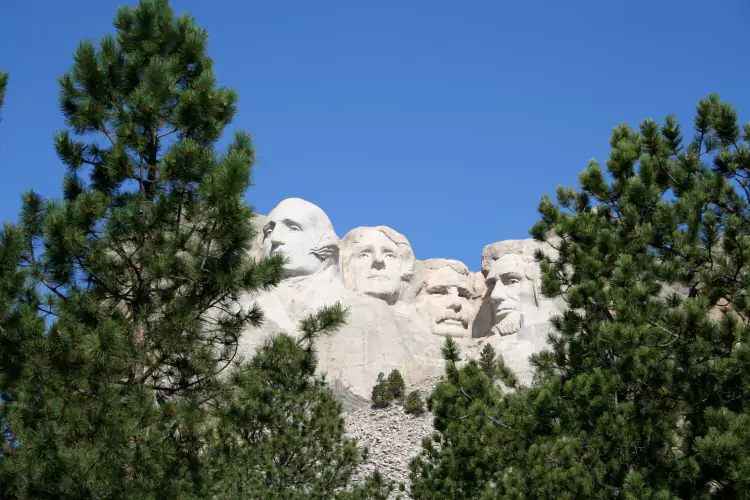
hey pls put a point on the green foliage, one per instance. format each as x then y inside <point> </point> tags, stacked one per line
<point>18,315</point>
<point>645,392</point>
<point>3,85</point>
<point>388,389</point>
<point>450,350</point>
<point>396,385</point>
<point>451,354</point>
<point>414,404</point>
<point>381,392</point>
<point>374,487</point>
<point>284,428</point>
<point>118,328</point>
<point>488,360</point>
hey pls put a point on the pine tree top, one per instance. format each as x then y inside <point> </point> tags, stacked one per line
<point>3,85</point>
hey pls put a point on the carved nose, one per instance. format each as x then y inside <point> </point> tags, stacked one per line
<point>498,293</point>
<point>378,263</point>
<point>276,242</point>
<point>453,302</point>
<point>276,239</point>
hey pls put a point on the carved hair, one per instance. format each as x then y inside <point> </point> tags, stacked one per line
<point>436,264</point>
<point>327,247</point>
<point>405,254</point>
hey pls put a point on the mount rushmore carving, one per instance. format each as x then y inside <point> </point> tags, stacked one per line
<point>401,309</point>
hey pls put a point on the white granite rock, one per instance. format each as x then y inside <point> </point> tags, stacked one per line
<point>400,309</point>
<point>513,298</point>
<point>449,297</point>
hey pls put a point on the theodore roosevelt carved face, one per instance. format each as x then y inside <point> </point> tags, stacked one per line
<point>446,297</point>
<point>378,262</point>
<point>304,234</point>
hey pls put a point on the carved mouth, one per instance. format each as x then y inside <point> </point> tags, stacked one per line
<point>381,278</point>
<point>503,312</point>
<point>452,321</point>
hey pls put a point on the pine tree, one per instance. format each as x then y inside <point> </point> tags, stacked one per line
<point>381,392</point>
<point>644,392</point>
<point>450,350</point>
<point>455,460</point>
<point>291,430</point>
<point>396,385</point>
<point>487,360</point>
<point>3,84</point>
<point>452,355</point>
<point>118,337</point>
<point>413,403</point>
<point>18,313</point>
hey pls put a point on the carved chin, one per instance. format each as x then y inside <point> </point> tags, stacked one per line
<point>389,295</point>
<point>379,288</point>
<point>509,325</point>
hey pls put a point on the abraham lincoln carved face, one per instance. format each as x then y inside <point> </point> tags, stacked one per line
<point>511,292</point>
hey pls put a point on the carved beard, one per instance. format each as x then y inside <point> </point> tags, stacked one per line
<point>509,325</point>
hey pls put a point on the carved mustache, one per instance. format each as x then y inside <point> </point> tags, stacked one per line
<point>454,317</point>
<point>503,311</point>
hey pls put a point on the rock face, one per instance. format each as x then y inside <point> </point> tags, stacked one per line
<point>449,297</point>
<point>401,309</point>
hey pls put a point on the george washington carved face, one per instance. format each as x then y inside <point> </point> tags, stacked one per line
<point>304,234</point>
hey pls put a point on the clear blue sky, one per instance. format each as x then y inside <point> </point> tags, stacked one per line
<point>445,120</point>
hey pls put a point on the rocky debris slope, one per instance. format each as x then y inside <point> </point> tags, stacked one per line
<point>392,436</point>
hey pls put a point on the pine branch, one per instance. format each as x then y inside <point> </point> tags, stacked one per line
<point>106,132</point>
<point>168,133</point>
<point>99,281</point>
<point>82,392</point>
<point>48,312</point>
<point>43,281</point>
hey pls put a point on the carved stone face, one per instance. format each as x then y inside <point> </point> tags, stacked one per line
<point>445,299</point>
<point>377,261</point>
<point>303,233</point>
<point>512,294</point>
<point>377,266</point>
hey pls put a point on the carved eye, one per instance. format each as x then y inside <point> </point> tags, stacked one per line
<point>363,255</point>
<point>513,281</point>
<point>390,255</point>
<point>294,229</point>
<point>464,293</point>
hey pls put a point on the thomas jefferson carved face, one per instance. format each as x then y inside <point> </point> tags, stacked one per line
<point>304,234</point>
<point>445,299</point>
<point>511,293</point>
<point>376,261</point>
